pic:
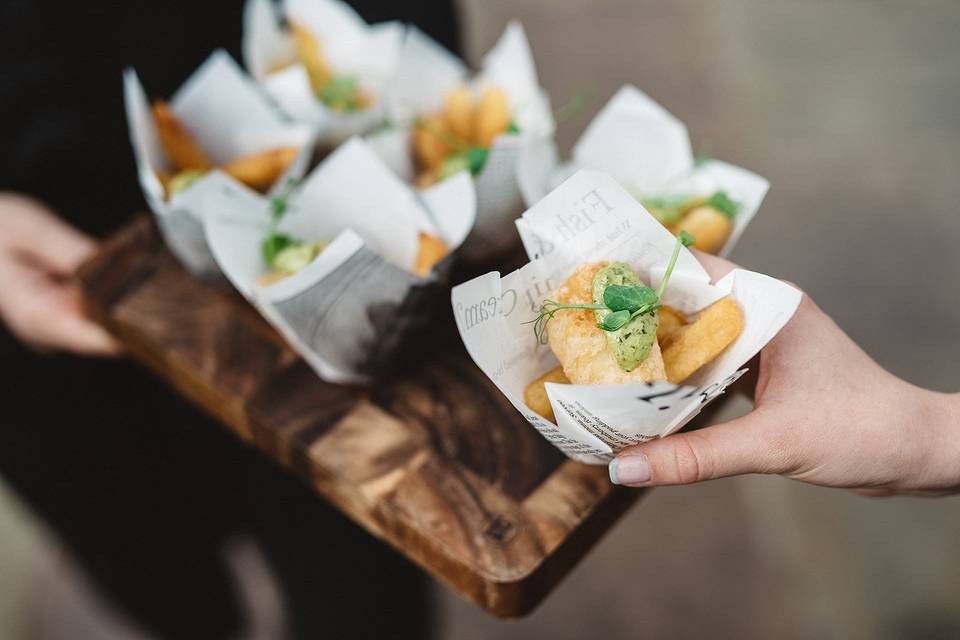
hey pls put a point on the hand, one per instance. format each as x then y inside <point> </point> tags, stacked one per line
<point>39,302</point>
<point>825,413</point>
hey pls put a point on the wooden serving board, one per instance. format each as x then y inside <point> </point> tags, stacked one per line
<point>434,462</point>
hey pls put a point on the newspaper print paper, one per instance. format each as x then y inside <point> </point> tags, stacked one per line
<point>229,117</point>
<point>648,151</point>
<point>590,217</point>
<point>348,311</point>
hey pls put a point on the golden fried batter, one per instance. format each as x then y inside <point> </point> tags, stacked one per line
<point>535,395</point>
<point>582,348</point>
<point>694,345</point>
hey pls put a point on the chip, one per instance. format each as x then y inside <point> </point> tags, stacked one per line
<point>260,170</point>
<point>178,145</point>
<point>699,342</point>
<point>535,395</point>
<point>669,321</point>
<point>432,250</point>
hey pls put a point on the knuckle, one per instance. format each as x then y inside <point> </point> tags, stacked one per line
<point>689,463</point>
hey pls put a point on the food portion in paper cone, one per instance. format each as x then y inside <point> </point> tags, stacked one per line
<point>443,120</point>
<point>458,138</point>
<point>285,255</point>
<point>648,151</point>
<point>333,261</point>
<point>189,162</point>
<point>606,326</point>
<point>218,119</point>
<point>613,334</point>
<point>321,62</point>
<point>709,219</point>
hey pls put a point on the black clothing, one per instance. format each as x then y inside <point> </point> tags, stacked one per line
<point>141,487</point>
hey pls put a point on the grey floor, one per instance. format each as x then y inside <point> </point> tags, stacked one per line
<point>851,110</point>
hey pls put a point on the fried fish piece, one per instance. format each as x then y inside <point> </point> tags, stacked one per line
<point>310,54</point>
<point>431,142</point>
<point>492,117</point>
<point>178,145</point>
<point>699,342</point>
<point>458,112</point>
<point>432,250</point>
<point>709,228</point>
<point>260,170</point>
<point>535,395</point>
<point>581,347</point>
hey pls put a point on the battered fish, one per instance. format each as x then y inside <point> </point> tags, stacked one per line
<point>581,347</point>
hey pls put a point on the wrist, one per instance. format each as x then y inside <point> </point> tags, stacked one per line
<point>942,414</point>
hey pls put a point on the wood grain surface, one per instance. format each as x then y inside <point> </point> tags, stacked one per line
<point>434,462</point>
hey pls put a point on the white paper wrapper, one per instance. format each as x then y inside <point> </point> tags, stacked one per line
<point>647,150</point>
<point>349,44</point>
<point>347,312</point>
<point>426,73</point>
<point>590,218</point>
<point>229,117</point>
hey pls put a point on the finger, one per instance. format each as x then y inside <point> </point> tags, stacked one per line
<point>61,248</point>
<point>732,448</point>
<point>716,267</point>
<point>69,329</point>
<point>47,314</point>
<point>80,335</point>
<point>38,233</point>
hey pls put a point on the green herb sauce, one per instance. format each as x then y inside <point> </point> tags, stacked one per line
<point>631,343</point>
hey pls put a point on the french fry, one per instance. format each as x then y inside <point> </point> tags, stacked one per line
<point>492,117</point>
<point>699,342</point>
<point>709,228</point>
<point>535,395</point>
<point>179,146</point>
<point>432,250</point>
<point>458,112</point>
<point>260,170</point>
<point>430,144</point>
<point>669,320</point>
<point>310,54</point>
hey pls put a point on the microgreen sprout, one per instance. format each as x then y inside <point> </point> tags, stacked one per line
<point>573,107</point>
<point>275,242</point>
<point>624,302</point>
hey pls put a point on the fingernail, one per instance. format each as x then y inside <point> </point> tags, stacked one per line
<point>630,470</point>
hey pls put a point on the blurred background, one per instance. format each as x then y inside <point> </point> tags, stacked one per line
<point>850,110</point>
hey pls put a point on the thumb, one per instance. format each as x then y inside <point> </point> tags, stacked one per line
<point>732,448</point>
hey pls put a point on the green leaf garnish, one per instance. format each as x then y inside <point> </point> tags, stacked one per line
<point>342,94</point>
<point>615,320</point>
<point>513,128</point>
<point>273,244</point>
<point>184,180</point>
<point>624,302</point>
<point>667,210</point>
<point>722,203</point>
<point>618,297</point>
<point>476,159</point>
<point>472,160</point>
